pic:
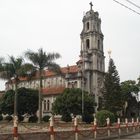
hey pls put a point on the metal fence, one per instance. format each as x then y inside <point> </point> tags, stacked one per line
<point>63,131</point>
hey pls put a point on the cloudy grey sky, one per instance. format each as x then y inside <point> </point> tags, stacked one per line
<point>56,25</point>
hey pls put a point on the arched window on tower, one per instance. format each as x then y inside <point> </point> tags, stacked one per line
<point>44,105</point>
<point>101,65</point>
<point>87,25</point>
<point>98,44</point>
<point>87,44</point>
<point>98,64</point>
<point>48,105</point>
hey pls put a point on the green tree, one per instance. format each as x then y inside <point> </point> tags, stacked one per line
<point>70,102</point>
<point>7,102</point>
<point>138,82</point>
<point>41,60</point>
<point>12,71</point>
<point>129,91</point>
<point>27,101</point>
<point>112,93</point>
<point>1,62</point>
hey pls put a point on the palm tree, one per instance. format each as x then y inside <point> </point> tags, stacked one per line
<point>12,71</point>
<point>1,62</point>
<point>41,60</point>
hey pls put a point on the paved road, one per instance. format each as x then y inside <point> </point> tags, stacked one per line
<point>132,137</point>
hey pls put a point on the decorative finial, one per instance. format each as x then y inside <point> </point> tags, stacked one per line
<point>109,53</point>
<point>91,5</point>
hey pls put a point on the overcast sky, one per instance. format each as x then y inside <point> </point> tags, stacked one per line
<point>56,26</point>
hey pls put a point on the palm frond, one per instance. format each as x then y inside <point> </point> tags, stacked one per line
<point>26,69</point>
<point>11,69</point>
<point>54,67</point>
<point>40,59</point>
<point>52,56</point>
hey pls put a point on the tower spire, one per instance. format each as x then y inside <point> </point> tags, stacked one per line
<point>90,5</point>
<point>93,62</point>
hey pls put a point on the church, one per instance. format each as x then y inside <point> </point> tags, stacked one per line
<point>87,73</point>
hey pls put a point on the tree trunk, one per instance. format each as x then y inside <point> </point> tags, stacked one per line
<point>15,100</point>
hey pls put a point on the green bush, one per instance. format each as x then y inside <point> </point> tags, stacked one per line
<point>66,117</point>
<point>46,118</point>
<point>1,118</point>
<point>9,118</point>
<point>102,115</point>
<point>33,119</point>
<point>88,118</point>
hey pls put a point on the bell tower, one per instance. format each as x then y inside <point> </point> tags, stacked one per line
<point>92,54</point>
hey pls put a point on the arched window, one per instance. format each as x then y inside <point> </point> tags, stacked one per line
<point>44,104</point>
<point>69,84</point>
<point>87,26</point>
<point>48,105</point>
<point>72,84</point>
<point>97,64</point>
<point>99,44</point>
<point>75,84</point>
<point>101,65</point>
<point>87,43</point>
<point>48,83</point>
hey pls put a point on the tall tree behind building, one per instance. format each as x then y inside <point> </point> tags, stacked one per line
<point>112,93</point>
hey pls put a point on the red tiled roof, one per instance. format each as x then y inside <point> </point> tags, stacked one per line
<point>52,90</point>
<point>72,69</point>
<point>23,78</point>
<point>64,70</point>
<point>47,73</point>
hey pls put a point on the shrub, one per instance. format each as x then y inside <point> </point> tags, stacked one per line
<point>33,119</point>
<point>1,118</point>
<point>9,118</point>
<point>88,118</point>
<point>46,118</point>
<point>66,117</point>
<point>103,115</point>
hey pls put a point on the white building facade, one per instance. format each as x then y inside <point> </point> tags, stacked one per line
<point>88,73</point>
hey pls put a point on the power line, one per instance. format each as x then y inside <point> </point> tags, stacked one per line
<point>127,7</point>
<point>133,3</point>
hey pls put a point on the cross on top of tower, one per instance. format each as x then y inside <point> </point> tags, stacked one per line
<point>90,5</point>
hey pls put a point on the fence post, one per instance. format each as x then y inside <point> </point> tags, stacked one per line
<point>15,133</point>
<point>51,128</point>
<point>133,125</point>
<point>126,123</point>
<point>95,128</point>
<point>119,126</point>
<point>76,128</point>
<point>108,126</point>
